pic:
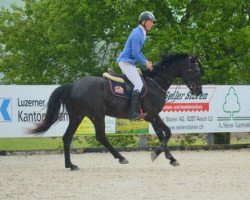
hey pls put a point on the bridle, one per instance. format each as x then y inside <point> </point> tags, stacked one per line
<point>167,76</point>
<point>191,70</point>
<point>152,80</point>
<point>171,79</point>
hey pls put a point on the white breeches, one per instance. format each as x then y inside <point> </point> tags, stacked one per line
<point>132,74</point>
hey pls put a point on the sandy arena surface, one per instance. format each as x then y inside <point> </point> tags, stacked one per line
<point>202,175</point>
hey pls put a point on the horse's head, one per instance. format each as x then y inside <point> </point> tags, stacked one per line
<point>191,75</point>
<point>181,65</point>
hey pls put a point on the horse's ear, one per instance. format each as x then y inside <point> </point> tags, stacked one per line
<point>200,66</point>
<point>196,59</point>
<point>164,56</point>
<point>189,60</point>
<point>192,59</point>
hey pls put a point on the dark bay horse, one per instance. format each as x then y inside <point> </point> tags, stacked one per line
<point>91,96</point>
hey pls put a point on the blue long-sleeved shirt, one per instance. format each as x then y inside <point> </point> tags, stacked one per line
<point>133,47</point>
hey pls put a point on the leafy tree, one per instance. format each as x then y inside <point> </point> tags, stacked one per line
<point>52,41</point>
<point>217,31</point>
<point>57,41</point>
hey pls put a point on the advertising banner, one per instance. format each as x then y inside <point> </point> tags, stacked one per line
<point>218,109</point>
<point>21,106</point>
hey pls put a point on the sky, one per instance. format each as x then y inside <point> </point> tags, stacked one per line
<point>6,3</point>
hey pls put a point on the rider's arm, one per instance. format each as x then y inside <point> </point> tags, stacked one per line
<point>137,44</point>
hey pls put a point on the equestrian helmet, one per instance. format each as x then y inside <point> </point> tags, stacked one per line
<point>146,15</point>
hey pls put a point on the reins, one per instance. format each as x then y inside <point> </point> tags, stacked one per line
<point>153,81</point>
<point>169,79</point>
<point>167,76</point>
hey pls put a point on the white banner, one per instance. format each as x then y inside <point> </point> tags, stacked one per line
<point>218,109</point>
<point>21,106</point>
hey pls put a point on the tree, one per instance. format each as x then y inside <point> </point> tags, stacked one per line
<point>217,31</point>
<point>58,41</point>
<point>52,41</point>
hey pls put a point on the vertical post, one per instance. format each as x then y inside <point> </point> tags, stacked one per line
<point>142,141</point>
<point>210,138</point>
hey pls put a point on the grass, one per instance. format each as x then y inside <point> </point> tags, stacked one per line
<point>36,143</point>
<point>43,143</point>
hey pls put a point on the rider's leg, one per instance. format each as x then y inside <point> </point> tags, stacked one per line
<point>132,74</point>
<point>134,111</point>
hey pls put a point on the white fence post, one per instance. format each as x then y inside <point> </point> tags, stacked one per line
<point>210,138</point>
<point>142,141</point>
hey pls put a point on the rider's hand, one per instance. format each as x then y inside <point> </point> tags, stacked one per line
<point>149,65</point>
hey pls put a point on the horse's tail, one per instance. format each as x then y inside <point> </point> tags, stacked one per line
<point>59,97</point>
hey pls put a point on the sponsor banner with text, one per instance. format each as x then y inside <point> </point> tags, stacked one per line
<point>219,109</point>
<point>23,105</point>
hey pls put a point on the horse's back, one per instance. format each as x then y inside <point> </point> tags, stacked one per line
<point>92,95</point>
<point>87,86</point>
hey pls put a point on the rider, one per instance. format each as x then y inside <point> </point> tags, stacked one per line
<point>132,54</point>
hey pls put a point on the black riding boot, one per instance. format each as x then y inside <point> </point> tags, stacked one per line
<point>134,111</point>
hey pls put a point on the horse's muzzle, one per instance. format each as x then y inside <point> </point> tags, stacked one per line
<point>198,91</point>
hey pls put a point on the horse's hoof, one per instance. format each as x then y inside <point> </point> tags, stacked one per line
<point>153,156</point>
<point>74,167</point>
<point>175,163</point>
<point>123,161</point>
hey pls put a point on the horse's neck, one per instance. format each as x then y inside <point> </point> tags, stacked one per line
<point>164,80</point>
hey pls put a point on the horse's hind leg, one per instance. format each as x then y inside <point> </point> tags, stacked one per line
<point>163,132</point>
<point>99,124</point>
<point>74,122</point>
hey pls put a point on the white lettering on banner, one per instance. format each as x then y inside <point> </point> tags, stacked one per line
<point>184,101</point>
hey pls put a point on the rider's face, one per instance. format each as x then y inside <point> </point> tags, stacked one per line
<point>148,24</point>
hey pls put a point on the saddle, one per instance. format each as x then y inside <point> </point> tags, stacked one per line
<point>120,85</point>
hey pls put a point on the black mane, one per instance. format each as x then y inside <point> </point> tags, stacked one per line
<point>171,57</point>
<point>166,60</point>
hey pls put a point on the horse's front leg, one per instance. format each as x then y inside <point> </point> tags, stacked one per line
<point>99,125</point>
<point>163,132</point>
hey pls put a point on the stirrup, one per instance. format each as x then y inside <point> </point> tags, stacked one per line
<point>137,117</point>
<point>140,116</point>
